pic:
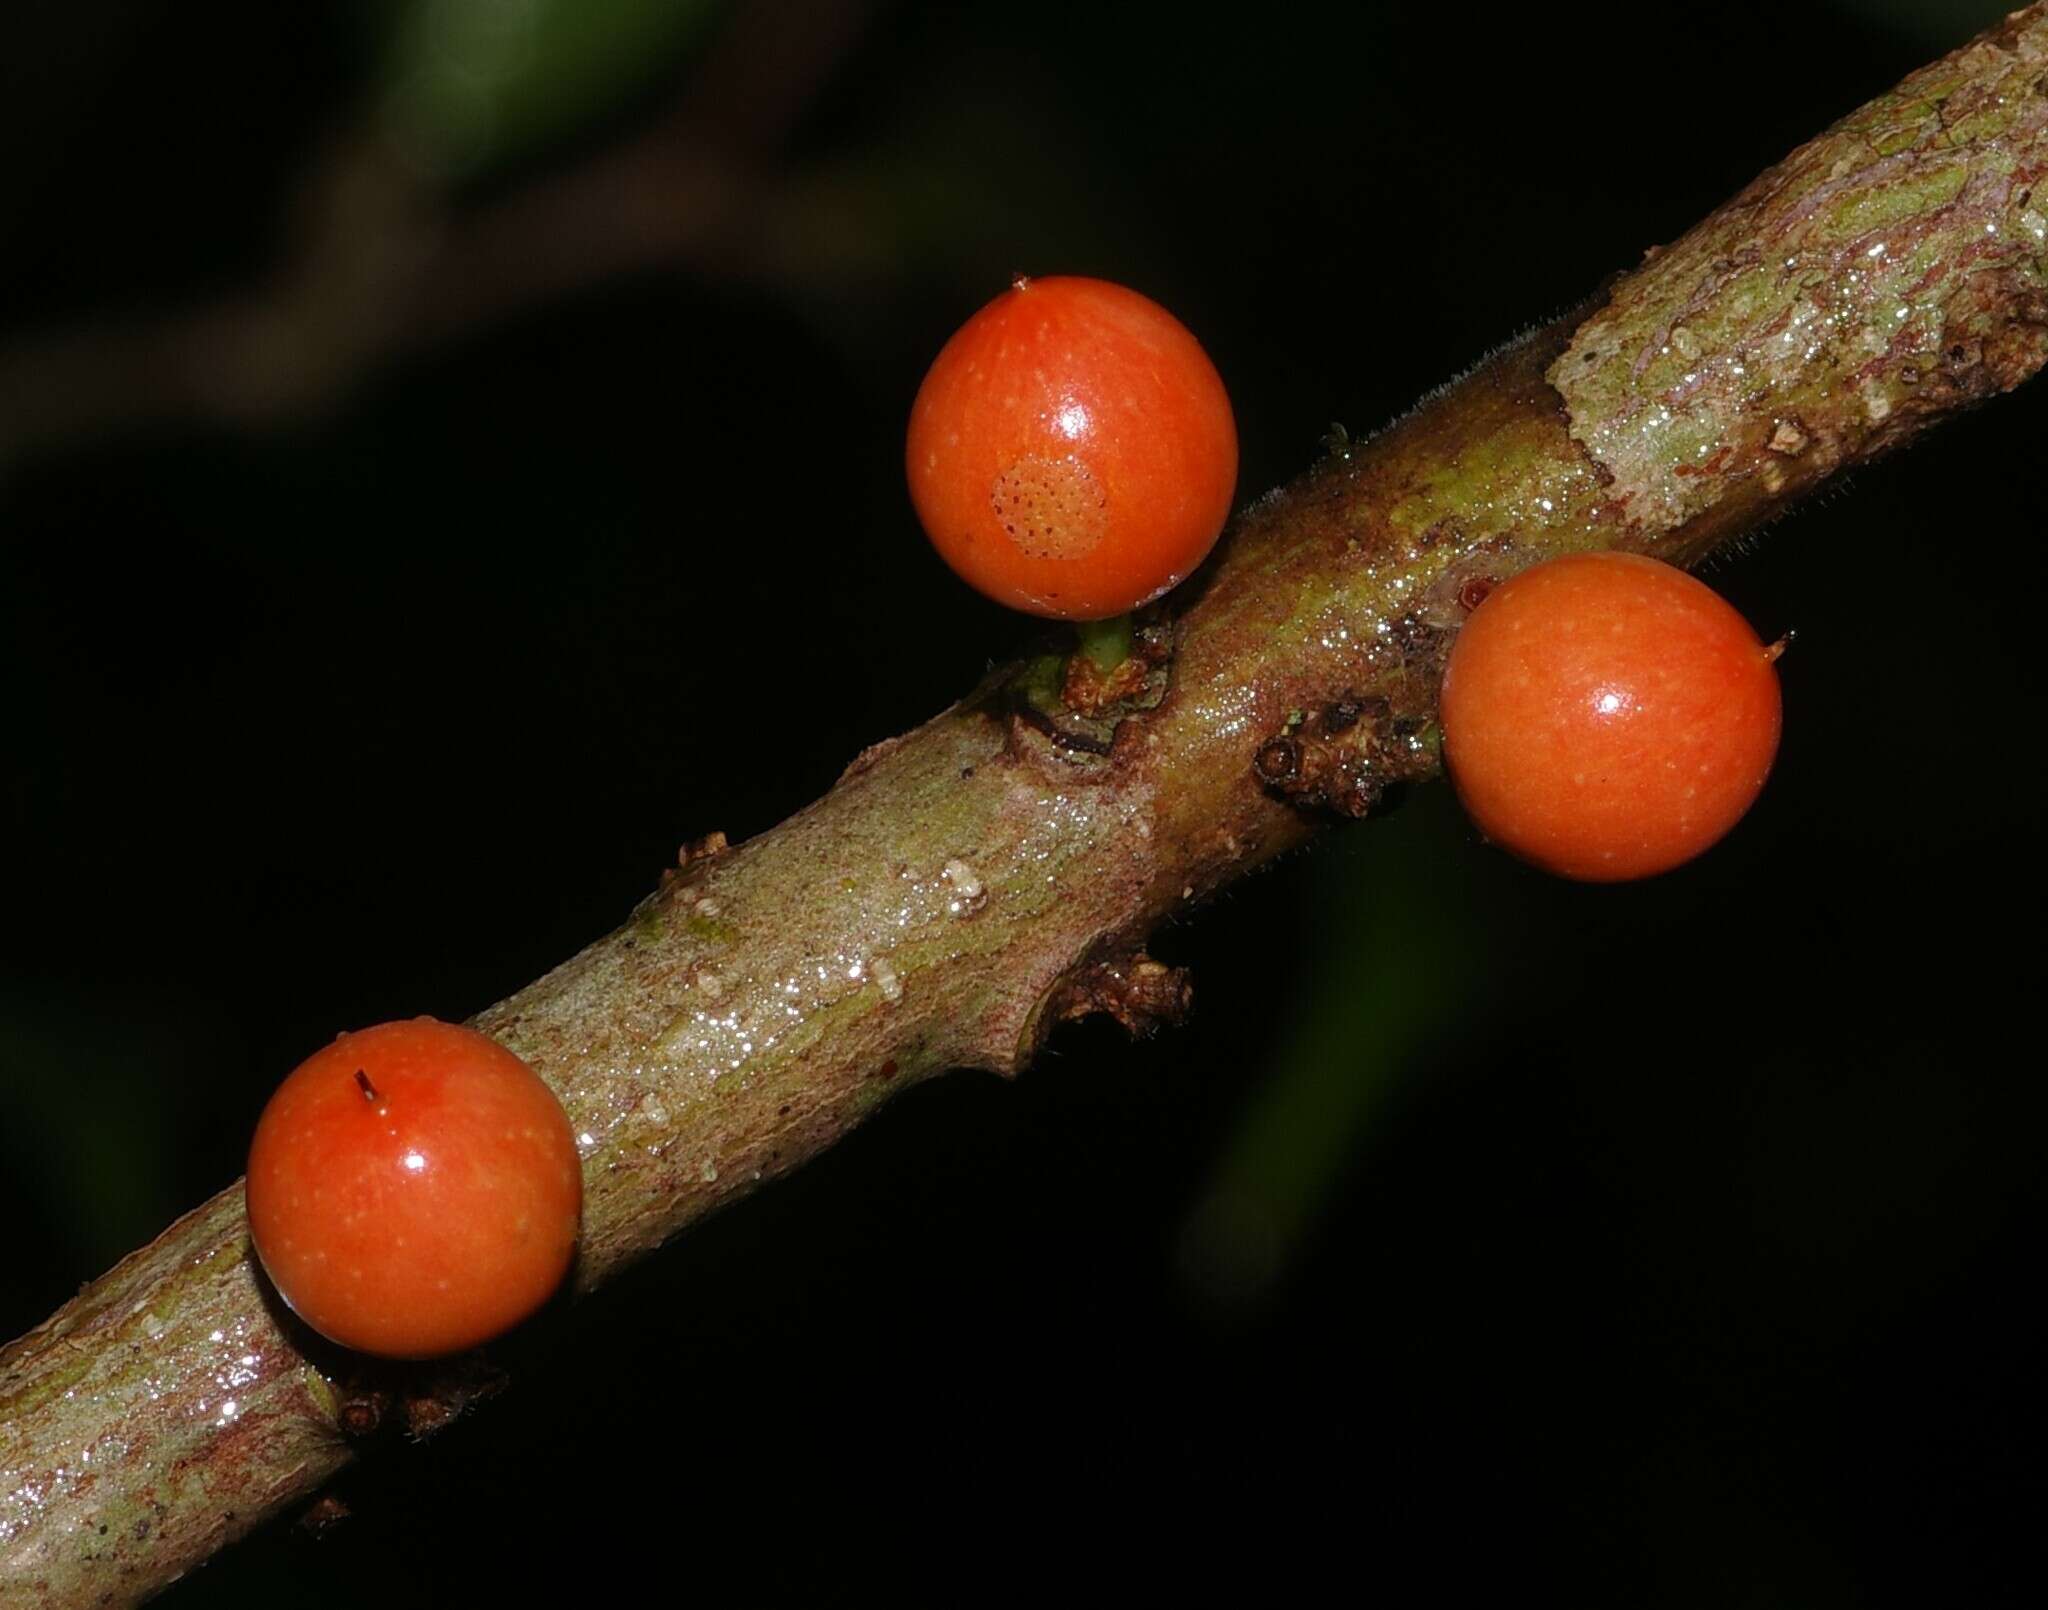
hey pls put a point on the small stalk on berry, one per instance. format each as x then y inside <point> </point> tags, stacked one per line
<point>1107,643</point>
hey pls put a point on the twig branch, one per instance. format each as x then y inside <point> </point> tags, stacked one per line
<point>963,887</point>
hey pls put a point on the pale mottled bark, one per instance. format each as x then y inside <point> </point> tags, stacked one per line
<point>965,885</point>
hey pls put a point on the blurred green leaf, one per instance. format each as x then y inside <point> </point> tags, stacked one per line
<point>470,84</point>
<point>1397,958</point>
<point>87,1121</point>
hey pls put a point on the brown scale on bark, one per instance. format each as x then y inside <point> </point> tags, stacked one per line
<point>1473,591</point>
<point>695,855</point>
<point>1078,707</point>
<point>361,1410</point>
<point>702,849</point>
<point>1142,994</point>
<point>1416,638</point>
<point>455,1388</point>
<point>1092,691</point>
<point>322,1516</point>
<point>1789,438</point>
<point>1343,757</point>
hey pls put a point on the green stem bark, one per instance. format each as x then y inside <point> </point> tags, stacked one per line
<point>967,885</point>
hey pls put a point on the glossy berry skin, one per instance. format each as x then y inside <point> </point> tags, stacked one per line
<point>1606,716</point>
<point>414,1190</point>
<point>1072,451</point>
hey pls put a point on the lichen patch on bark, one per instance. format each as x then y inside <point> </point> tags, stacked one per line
<point>1881,276</point>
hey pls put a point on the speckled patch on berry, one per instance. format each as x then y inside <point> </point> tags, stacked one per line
<point>1052,508</point>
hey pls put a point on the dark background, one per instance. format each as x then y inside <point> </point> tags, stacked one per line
<point>1664,1244</point>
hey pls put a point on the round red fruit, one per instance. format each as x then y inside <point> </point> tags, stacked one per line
<point>1607,716</point>
<point>414,1190</point>
<point>1072,451</point>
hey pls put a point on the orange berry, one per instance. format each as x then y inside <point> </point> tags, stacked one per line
<point>1072,451</point>
<point>1607,716</point>
<point>414,1190</point>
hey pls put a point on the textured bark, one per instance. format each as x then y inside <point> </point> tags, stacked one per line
<point>966,886</point>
